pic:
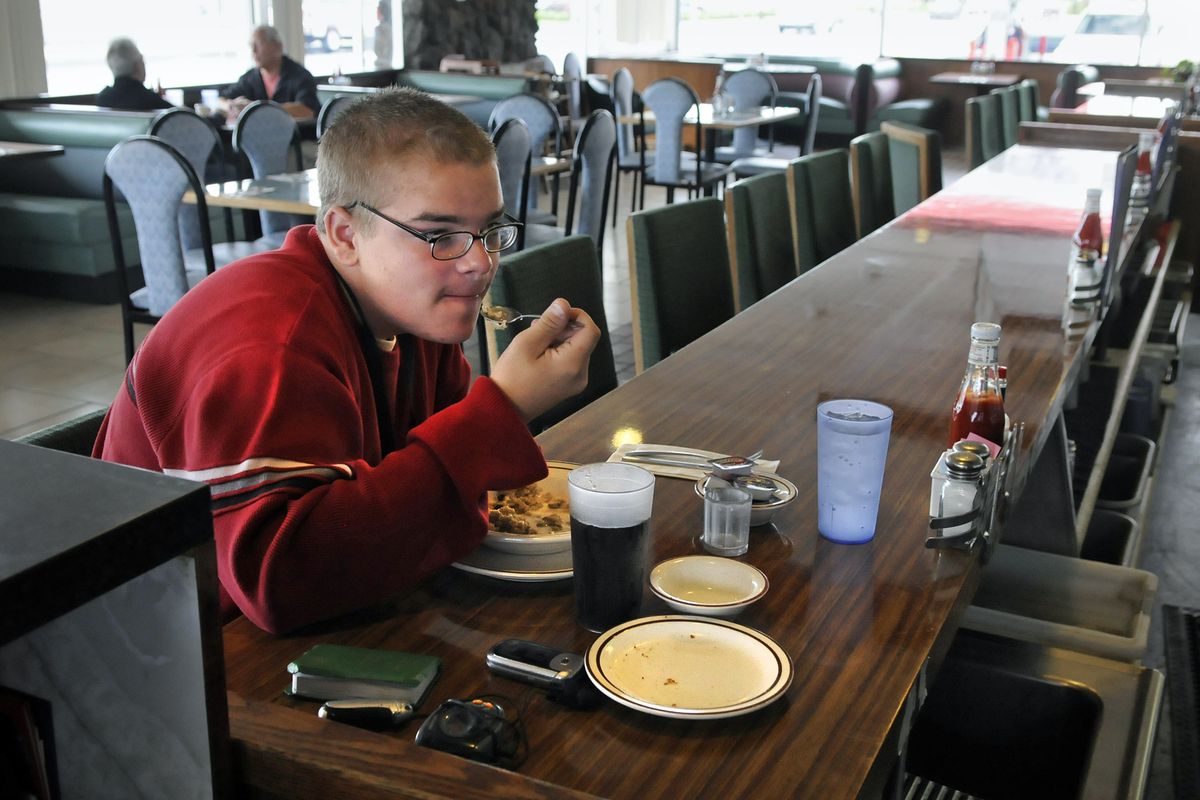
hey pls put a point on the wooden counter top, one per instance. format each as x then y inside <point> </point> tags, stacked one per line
<point>887,320</point>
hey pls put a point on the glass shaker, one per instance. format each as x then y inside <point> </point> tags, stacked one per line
<point>954,492</point>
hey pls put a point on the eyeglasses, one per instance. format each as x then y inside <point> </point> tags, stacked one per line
<point>456,244</point>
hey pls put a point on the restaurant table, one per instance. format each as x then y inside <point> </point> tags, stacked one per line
<point>711,123</point>
<point>887,319</point>
<point>22,150</point>
<point>983,82</point>
<point>1143,111</point>
<point>300,192</point>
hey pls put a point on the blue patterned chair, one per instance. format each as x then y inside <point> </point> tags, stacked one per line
<point>330,110</point>
<point>670,99</point>
<point>269,139</point>
<point>545,130</point>
<point>197,141</point>
<point>153,176</point>
<point>748,88</point>
<point>513,150</point>
<point>627,103</point>
<point>758,165</point>
<point>591,175</point>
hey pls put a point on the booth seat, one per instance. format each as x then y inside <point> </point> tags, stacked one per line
<point>855,97</point>
<point>489,88</point>
<point>54,236</point>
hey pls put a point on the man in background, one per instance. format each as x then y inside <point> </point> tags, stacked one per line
<point>274,77</point>
<point>128,91</point>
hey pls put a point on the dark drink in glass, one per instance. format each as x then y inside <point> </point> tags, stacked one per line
<point>610,572</point>
<point>610,520</point>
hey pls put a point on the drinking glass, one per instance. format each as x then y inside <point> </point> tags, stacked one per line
<point>726,518</point>
<point>852,444</point>
<point>610,522</point>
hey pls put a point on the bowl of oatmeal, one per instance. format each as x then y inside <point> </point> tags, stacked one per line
<point>531,520</point>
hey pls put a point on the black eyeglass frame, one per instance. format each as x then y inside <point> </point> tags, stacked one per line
<point>432,241</point>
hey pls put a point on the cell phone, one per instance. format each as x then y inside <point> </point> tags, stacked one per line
<point>561,674</point>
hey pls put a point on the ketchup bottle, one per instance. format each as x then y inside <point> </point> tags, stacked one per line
<point>1142,186</point>
<point>979,408</point>
<point>1088,241</point>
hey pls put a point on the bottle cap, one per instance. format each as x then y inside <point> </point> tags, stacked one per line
<point>1094,194</point>
<point>963,465</point>
<point>1145,140</point>
<point>985,331</point>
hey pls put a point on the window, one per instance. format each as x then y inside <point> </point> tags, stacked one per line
<point>350,35</point>
<point>780,27</point>
<point>198,42</point>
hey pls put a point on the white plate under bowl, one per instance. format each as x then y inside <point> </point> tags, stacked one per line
<point>518,567</point>
<point>689,667</point>
<point>538,543</point>
<point>711,586</point>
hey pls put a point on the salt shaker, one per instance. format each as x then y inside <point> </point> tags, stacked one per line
<point>953,493</point>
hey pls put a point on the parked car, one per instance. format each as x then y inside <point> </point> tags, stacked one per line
<point>1105,35</point>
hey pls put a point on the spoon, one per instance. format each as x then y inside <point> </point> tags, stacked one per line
<point>503,316</point>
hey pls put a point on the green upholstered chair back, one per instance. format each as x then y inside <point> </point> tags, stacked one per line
<point>73,436</point>
<point>1010,114</point>
<point>822,212</point>
<point>761,254</point>
<point>1027,96</point>
<point>679,277</point>
<point>871,182</point>
<point>916,157</point>
<point>530,280</point>
<point>984,137</point>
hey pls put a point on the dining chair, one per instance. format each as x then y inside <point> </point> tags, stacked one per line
<point>267,136</point>
<point>757,165</point>
<point>1027,97</point>
<point>762,257</point>
<point>1010,114</point>
<point>530,280</point>
<point>822,213</point>
<point>153,176</point>
<point>76,435</point>
<point>871,182</point>
<point>670,100</point>
<point>916,157</point>
<point>984,137</point>
<point>632,154</point>
<point>748,88</point>
<point>545,131</point>
<point>513,152</point>
<point>680,285</point>
<point>591,176</point>
<point>330,110</point>
<point>197,139</point>
<point>572,74</point>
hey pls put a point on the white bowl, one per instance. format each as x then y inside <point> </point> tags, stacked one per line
<point>540,543</point>
<point>710,586</point>
<point>761,512</point>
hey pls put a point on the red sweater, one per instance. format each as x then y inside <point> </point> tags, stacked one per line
<point>255,383</point>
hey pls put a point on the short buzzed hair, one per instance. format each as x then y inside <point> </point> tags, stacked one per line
<point>268,33</point>
<point>123,57</point>
<point>396,125</point>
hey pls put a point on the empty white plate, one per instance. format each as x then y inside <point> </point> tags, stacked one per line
<point>689,667</point>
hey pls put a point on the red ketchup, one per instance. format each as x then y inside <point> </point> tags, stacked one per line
<point>979,408</point>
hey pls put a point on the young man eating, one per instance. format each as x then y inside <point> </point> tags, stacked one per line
<point>321,390</point>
